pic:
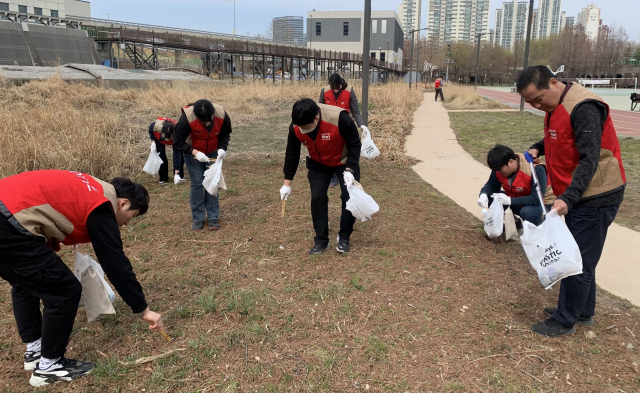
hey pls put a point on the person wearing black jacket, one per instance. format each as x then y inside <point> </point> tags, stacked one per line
<point>38,211</point>
<point>333,143</point>
<point>208,127</point>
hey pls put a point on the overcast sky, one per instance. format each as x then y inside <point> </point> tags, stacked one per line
<point>254,16</point>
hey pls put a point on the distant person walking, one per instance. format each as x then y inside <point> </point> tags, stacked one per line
<point>438,84</point>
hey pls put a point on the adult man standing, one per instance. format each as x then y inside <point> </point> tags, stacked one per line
<point>333,142</point>
<point>38,211</point>
<point>587,176</point>
<point>202,133</point>
<point>438,85</point>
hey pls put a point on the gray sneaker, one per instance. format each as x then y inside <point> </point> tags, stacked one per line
<point>318,249</point>
<point>62,370</point>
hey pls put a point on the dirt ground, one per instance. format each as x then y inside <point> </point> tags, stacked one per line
<point>423,303</point>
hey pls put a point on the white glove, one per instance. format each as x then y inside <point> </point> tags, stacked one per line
<point>501,198</point>
<point>176,179</point>
<point>202,157</point>
<point>285,191</point>
<point>221,154</point>
<point>348,179</point>
<point>153,144</point>
<point>364,129</point>
<point>483,201</point>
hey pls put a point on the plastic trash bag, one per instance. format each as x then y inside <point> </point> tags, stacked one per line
<point>360,204</point>
<point>510,230</point>
<point>493,219</point>
<point>213,178</point>
<point>152,166</point>
<point>97,295</point>
<point>551,250</point>
<point>369,149</point>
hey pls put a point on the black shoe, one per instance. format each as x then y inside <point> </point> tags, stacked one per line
<point>343,245</point>
<point>30,360</point>
<point>162,182</point>
<point>214,225</point>
<point>197,226</point>
<point>519,225</point>
<point>582,321</point>
<point>318,248</point>
<point>334,181</point>
<point>551,328</point>
<point>62,370</point>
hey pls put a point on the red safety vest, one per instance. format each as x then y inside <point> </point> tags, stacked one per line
<point>343,101</point>
<point>201,139</point>
<point>329,148</point>
<point>157,129</point>
<point>54,204</point>
<point>560,150</point>
<point>521,185</point>
<point>437,84</point>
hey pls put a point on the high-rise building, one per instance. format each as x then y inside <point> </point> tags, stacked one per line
<point>589,17</point>
<point>458,20</point>
<point>570,22</point>
<point>511,23</point>
<point>409,13</point>
<point>289,30</point>
<point>548,18</point>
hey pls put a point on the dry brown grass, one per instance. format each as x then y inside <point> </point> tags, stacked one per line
<point>51,124</point>
<point>465,97</point>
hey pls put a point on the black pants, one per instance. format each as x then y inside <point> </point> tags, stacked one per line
<point>319,179</point>
<point>578,293</point>
<point>439,91</point>
<point>178,161</point>
<point>36,273</point>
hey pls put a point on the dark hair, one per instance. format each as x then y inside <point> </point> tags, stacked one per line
<point>336,79</point>
<point>136,194</point>
<point>203,109</point>
<point>536,75</point>
<point>304,112</point>
<point>167,130</point>
<point>499,156</point>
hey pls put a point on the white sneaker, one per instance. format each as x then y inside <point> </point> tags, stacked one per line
<point>62,370</point>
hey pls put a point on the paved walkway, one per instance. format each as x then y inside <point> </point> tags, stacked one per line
<point>434,143</point>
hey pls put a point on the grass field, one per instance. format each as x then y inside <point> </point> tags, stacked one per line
<point>479,132</point>
<point>422,303</point>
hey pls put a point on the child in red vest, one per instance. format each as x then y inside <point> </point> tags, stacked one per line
<point>512,184</point>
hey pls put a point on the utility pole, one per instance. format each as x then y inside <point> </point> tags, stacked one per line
<point>365,59</point>
<point>526,48</point>
<point>411,55</point>
<point>475,84</point>
<point>234,16</point>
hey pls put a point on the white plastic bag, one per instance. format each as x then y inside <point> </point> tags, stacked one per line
<point>493,219</point>
<point>551,250</point>
<point>369,149</point>
<point>213,178</point>
<point>97,295</point>
<point>360,204</point>
<point>152,166</point>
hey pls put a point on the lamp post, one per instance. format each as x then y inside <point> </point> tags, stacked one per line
<point>365,59</point>
<point>234,15</point>
<point>478,58</point>
<point>411,55</point>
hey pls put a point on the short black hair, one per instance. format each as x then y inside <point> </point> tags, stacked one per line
<point>203,109</point>
<point>304,112</point>
<point>499,156</point>
<point>337,79</point>
<point>136,193</point>
<point>536,75</point>
<point>167,130</point>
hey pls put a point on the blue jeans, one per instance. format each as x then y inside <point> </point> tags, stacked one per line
<point>533,214</point>
<point>200,199</point>
<point>578,293</point>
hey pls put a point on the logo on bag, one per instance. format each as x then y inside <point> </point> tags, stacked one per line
<point>553,134</point>
<point>488,221</point>
<point>551,255</point>
<point>326,136</point>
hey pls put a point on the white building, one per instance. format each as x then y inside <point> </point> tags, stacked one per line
<point>343,31</point>
<point>511,23</point>
<point>589,17</point>
<point>548,18</point>
<point>458,20</point>
<point>409,13</point>
<point>52,8</point>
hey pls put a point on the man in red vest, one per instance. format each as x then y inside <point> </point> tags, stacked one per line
<point>333,143</point>
<point>202,133</point>
<point>438,85</point>
<point>512,173</point>
<point>583,161</point>
<point>38,211</point>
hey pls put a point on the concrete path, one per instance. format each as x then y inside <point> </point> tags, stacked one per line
<point>483,110</point>
<point>434,143</point>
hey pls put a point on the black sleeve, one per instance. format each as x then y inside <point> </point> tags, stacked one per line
<point>355,109</point>
<point>107,244</point>
<point>225,133</point>
<point>539,146</point>
<point>151,134</point>
<point>180,135</point>
<point>351,136</point>
<point>532,199</point>
<point>292,155</point>
<point>321,100</point>
<point>587,121</point>
<point>492,185</point>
